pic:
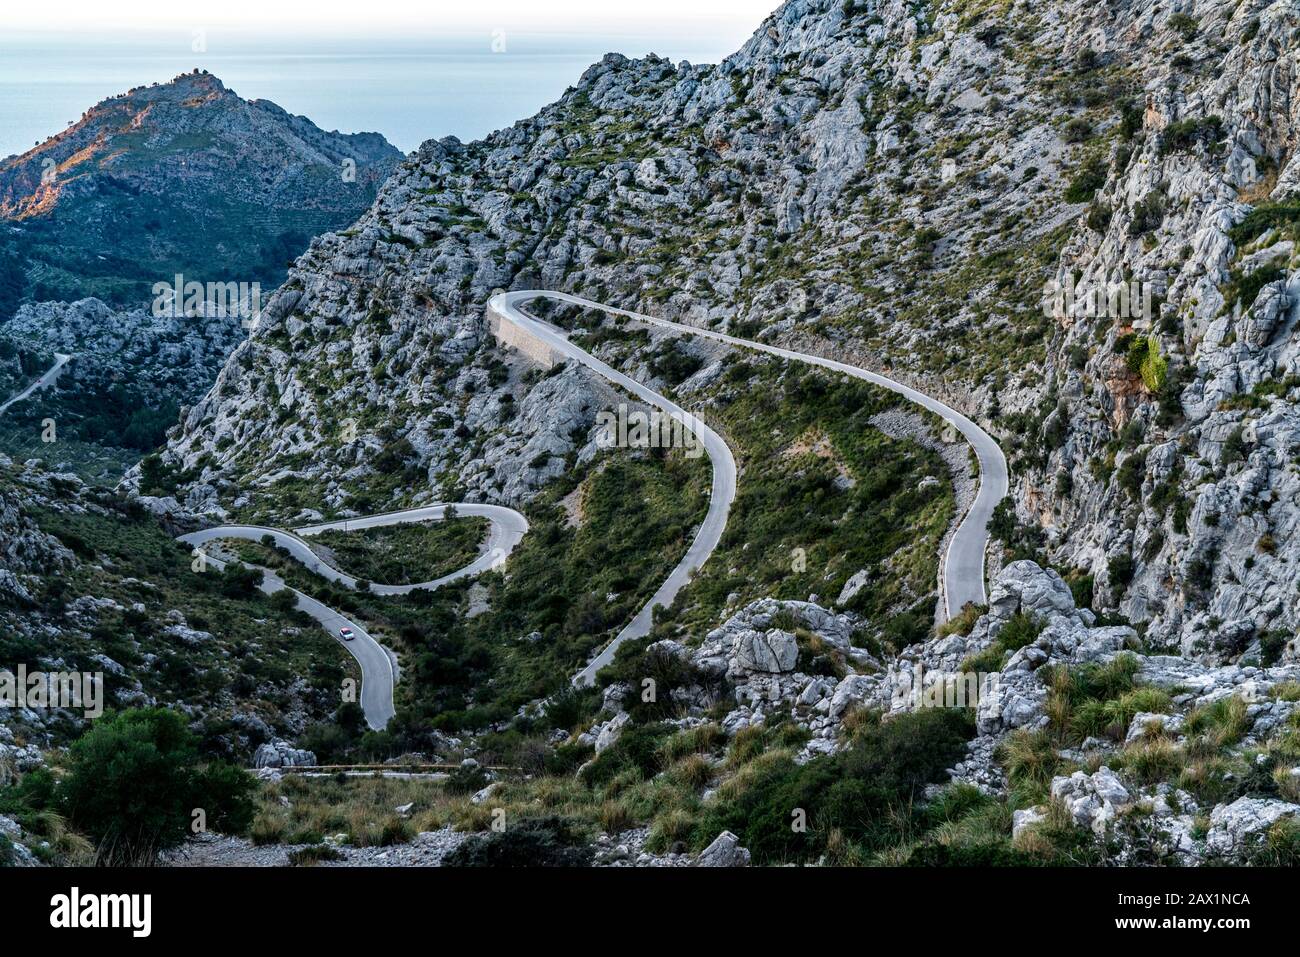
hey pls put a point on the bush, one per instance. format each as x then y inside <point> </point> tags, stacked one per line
<point>284,600</point>
<point>867,793</point>
<point>638,747</point>
<point>1185,135</point>
<point>1078,131</point>
<point>668,672</point>
<point>466,779</point>
<point>1271,646</point>
<point>991,854</point>
<point>1120,571</point>
<point>1184,25</point>
<point>1099,217</point>
<point>963,621</point>
<point>315,854</point>
<point>133,781</point>
<point>1262,218</point>
<point>240,581</point>
<point>532,842</point>
<point>1022,629</point>
<point>226,793</point>
<point>1148,215</point>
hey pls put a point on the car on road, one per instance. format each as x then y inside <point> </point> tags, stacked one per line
<point>347,634</point>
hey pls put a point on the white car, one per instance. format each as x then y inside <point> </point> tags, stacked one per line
<point>347,634</point>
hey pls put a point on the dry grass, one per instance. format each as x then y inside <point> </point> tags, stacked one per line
<point>693,771</point>
<point>670,828</point>
<point>738,783</point>
<point>363,808</point>
<point>859,719</point>
<point>1150,760</point>
<point>1285,691</point>
<point>704,739</point>
<point>1287,780</point>
<point>963,621</point>
<point>1215,726</point>
<point>746,744</point>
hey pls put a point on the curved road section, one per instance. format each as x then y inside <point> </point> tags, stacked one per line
<point>721,495</point>
<point>507,529</point>
<point>48,379</point>
<point>963,564</point>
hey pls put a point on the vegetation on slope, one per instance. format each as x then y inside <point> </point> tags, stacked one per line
<point>403,554</point>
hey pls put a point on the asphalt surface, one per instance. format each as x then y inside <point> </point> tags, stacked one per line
<point>963,563</point>
<point>48,379</point>
<point>964,560</point>
<point>378,676</point>
<point>722,494</point>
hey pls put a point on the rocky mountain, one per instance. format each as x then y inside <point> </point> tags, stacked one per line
<point>129,375</point>
<point>1166,470</point>
<point>1077,225</point>
<point>796,191</point>
<point>899,186</point>
<point>181,177</point>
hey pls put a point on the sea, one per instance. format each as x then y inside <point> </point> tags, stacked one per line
<point>410,90</point>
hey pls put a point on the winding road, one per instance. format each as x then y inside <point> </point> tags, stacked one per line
<point>964,561</point>
<point>962,580</point>
<point>48,379</point>
<point>378,674</point>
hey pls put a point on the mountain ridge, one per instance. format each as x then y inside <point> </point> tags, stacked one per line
<point>183,176</point>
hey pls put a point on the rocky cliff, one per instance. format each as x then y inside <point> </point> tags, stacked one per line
<point>865,179</point>
<point>1167,444</point>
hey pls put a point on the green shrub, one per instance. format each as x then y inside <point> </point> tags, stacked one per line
<point>1020,630</point>
<point>1120,570</point>
<point>1184,25</point>
<point>867,794</point>
<point>964,620</point>
<point>314,854</point>
<point>466,779</point>
<point>1185,135</point>
<point>639,747</point>
<point>531,842</point>
<point>1245,289</point>
<point>988,854</point>
<point>1148,214</point>
<point>1262,218</point>
<point>1271,646</point>
<point>133,781</point>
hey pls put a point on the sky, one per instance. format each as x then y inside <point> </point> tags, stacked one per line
<point>387,18</point>
<point>408,70</point>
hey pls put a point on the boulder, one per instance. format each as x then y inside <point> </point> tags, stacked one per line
<point>1234,827</point>
<point>1092,800</point>
<point>725,851</point>
<point>609,733</point>
<point>773,652</point>
<point>281,754</point>
<point>1021,821</point>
